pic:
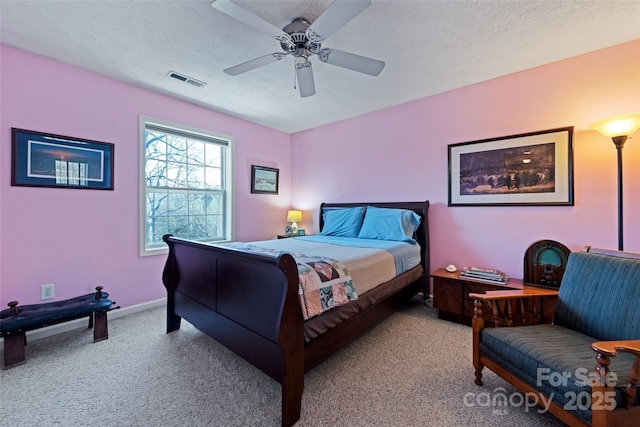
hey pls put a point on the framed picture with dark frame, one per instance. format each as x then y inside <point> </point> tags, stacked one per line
<point>518,170</point>
<point>46,160</point>
<point>264,180</point>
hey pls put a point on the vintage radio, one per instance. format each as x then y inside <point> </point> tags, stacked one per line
<point>544,264</point>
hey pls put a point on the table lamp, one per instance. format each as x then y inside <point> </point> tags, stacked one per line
<point>294,217</point>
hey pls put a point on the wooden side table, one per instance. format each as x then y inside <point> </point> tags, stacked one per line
<point>452,300</point>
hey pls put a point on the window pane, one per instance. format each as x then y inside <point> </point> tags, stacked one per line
<point>213,178</point>
<point>156,228</point>
<point>213,202</point>
<point>196,204</point>
<point>197,227</point>
<point>195,152</point>
<point>178,204</point>
<point>156,203</point>
<point>155,173</point>
<point>179,226</point>
<point>196,177</point>
<point>176,175</point>
<point>156,147</point>
<point>213,155</point>
<point>214,227</point>
<point>176,149</point>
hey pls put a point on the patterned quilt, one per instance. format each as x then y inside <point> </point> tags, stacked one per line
<point>325,283</point>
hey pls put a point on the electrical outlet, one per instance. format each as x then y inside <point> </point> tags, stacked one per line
<point>47,291</point>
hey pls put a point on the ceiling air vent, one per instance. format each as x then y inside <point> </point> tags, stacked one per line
<point>186,79</point>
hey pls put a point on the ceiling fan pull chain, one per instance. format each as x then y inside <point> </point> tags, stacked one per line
<point>295,76</point>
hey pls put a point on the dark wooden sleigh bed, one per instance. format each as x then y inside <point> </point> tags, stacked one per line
<point>249,303</point>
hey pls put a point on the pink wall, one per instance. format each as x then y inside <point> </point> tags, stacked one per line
<point>78,239</point>
<point>400,154</point>
<point>81,238</point>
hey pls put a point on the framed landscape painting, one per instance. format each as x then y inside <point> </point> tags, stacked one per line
<point>264,180</point>
<point>47,160</point>
<point>518,170</point>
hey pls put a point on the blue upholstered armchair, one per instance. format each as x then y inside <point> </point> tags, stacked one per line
<point>597,309</point>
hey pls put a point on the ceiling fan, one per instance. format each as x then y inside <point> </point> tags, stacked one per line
<point>303,39</point>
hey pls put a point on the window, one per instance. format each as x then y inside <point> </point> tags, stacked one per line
<point>185,185</point>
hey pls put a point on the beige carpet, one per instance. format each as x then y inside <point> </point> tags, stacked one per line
<point>413,370</point>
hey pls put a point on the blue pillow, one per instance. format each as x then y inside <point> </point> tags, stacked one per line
<point>343,222</point>
<point>389,224</point>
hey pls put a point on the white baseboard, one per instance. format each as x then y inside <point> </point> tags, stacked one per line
<point>48,331</point>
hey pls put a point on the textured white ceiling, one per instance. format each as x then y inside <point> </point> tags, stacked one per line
<point>429,47</point>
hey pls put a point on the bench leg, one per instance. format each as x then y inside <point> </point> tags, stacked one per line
<point>100,331</point>
<point>14,353</point>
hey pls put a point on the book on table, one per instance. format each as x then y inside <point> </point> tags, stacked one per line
<point>484,274</point>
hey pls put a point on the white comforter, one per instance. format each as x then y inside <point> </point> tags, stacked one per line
<point>368,267</point>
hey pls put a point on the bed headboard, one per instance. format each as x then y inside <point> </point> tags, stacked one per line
<point>422,233</point>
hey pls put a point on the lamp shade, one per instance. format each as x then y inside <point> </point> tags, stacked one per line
<point>623,125</point>
<point>294,216</point>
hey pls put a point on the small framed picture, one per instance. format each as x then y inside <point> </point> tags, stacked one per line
<point>300,232</point>
<point>264,180</point>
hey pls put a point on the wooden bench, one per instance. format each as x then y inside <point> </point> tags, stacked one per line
<point>16,320</point>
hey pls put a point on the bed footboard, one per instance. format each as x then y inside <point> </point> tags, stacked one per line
<point>247,302</point>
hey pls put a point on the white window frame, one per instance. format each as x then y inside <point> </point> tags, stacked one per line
<point>228,178</point>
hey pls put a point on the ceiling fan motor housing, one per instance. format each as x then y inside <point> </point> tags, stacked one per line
<point>300,45</point>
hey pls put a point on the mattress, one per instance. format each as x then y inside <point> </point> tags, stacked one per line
<point>370,262</point>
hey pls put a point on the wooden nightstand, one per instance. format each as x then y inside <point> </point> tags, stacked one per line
<point>451,297</point>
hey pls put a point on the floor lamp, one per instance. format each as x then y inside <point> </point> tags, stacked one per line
<point>618,128</point>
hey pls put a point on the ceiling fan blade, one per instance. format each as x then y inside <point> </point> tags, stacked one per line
<point>254,63</point>
<point>354,62</point>
<point>244,16</point>
<point>304,74</point>
<point>335,17</point>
